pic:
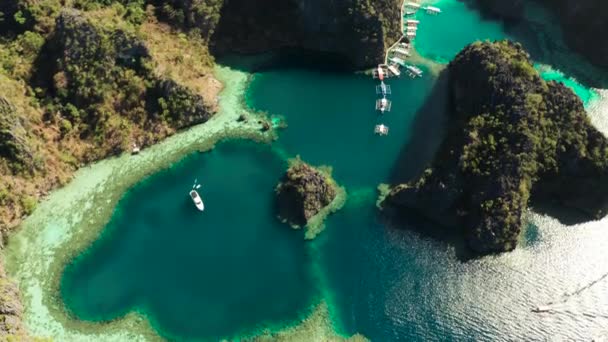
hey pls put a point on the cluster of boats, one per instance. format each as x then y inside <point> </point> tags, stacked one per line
<point>395,60</point>
<point>383,104</point>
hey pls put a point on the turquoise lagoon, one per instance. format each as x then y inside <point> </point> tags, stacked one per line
<point>234,270</point>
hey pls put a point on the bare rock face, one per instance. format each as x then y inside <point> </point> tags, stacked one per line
<point>183,107</point>
<point>15,148</point>
<point>11,310</point>
<point>302,193</point>
<point>512,136</point>
<point>90,58</point>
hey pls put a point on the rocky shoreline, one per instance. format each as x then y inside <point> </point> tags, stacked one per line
<point>64,224</point>
<point>511,135</point>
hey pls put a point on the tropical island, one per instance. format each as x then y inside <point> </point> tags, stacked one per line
<point>97,78</point>
<point>511,136</point>
<point>88,80</point>
<point>306,195</point>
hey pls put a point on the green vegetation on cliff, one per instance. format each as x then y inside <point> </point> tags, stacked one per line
<point>512,135</point>
<point>81,80</point>
<point>358,31</point>
<point>104,88</point>
<point>201,16</point>
<point>306,195</point>
<point>81,84</point>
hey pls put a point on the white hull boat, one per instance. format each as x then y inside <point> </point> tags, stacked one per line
<point>198,201</point>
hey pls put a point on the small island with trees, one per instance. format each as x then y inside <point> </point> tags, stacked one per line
<point>511,137</point>
<point>307,195</point>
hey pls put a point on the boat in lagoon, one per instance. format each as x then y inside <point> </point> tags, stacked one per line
<point>383,89</point>
<point>381,129</point>
<point>413,71</point>
<point>383,105</point>
<point>198,201</point>
<point>394,69</point>
<point>196,198</point>
<point>401,52</point>
<point>398,61</point>
<point>432,10</point>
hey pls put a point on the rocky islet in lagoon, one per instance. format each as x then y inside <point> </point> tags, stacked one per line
<point>358,276</point>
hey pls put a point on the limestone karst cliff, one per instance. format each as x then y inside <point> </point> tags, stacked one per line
<point>511,135</point>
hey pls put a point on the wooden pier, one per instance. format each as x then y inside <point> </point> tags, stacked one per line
<point>395,57</point>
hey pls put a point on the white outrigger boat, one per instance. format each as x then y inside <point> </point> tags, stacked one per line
<point>196,198</point>
<point>413,71</point>
<point>381,129</point>
<point>383,89</point>
<point>383,105</point>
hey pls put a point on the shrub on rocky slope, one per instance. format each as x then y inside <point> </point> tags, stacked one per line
<point>510,135</point>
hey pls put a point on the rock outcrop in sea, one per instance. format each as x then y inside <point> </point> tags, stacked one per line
<point>584,22</point>
<point>306,195</point>
<point>303,192</point>
<point>511,136</point>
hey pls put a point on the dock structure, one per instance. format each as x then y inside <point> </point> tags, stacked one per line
<point>381,129</point>
<point>432,10</point>
<point>383,89</point>
<point>381,72</point>
<point>395,57</point>
<point>383,105</point>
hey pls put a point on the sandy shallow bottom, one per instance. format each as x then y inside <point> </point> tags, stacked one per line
<point>72,217</point>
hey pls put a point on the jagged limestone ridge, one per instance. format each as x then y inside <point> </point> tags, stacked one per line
<point>511,135</point>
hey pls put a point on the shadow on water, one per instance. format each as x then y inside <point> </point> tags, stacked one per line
<point>411,220</point>
<point>565,215</point>
<point>428,131</point>
<point>417,154</point>
<point>288,59</point>
<point>540,32</point>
